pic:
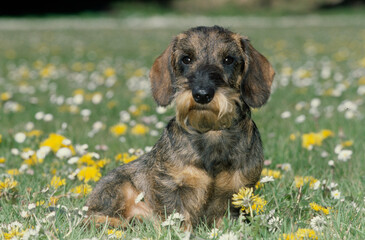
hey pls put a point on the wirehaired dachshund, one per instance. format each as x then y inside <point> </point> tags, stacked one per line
<point>210,149</point>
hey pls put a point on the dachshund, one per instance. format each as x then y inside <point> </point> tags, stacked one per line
<point>210,149</point>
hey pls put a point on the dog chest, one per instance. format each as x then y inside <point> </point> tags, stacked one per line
<point>216,150</point>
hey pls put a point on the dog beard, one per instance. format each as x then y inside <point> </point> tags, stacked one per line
<point>216,115</point>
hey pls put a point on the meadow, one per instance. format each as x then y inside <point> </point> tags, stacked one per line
<point>75,103</point>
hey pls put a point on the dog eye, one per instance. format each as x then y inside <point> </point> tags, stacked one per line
<point>186,60</point>
<point>228,60</point>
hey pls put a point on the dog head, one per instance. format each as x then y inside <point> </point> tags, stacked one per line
<point>209,72</point>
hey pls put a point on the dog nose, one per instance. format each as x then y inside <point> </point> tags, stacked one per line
<point>203,96</point>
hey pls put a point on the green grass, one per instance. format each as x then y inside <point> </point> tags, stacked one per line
<point>304,46</point>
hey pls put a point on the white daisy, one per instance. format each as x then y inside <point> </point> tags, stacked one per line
<point>39,115</point>
<point>48,117</point>
<point>42,152</point>
<point>214,233</point>
<point>161,110</point>
<point>64,153</point>
<point>31,206</point>
<point>332,185</point>
<point>274,223</point>
<point>20,137</point>
<point>286,167</point>
<point>228,236</point>
<point>267,179</point>
<point>336,194</point>
<point>318,223</point>
<point>97,98</point>
<point>300,119</point>
<point>139,198</point>
<point>344,155</point>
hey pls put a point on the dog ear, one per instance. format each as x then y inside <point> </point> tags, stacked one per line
<point>161,76</point>
<point>257,77</point>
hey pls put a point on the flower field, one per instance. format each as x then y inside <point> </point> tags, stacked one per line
<point>75,103</point>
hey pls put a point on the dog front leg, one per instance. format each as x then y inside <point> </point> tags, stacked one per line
<point>183,190</point>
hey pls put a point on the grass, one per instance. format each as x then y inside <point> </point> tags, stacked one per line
<point>47,62</point>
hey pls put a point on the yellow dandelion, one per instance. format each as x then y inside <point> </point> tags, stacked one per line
<point>118,129</point>
<point>258,204</point>
<point>112,233</point>
<point>311,139</point>
<point>287,71</point>
<point>139,129</point>
<point>137,111</point>
<point>24,72</point>
<point>32,160</point>
<point>14,233</point>
<point>300,234</point>
<point>287,236</point>
<point>81,190</point>
<point>326,133</point>
<point>101,163</point>
<point>7,185</point>
<point>86,159</point>
<point>89,173</point>
<point>55,142</point>
<point>319,208</point>
<point>328,92</point>
<point>315,206</point>
<point>71,109</point>
<point>78,91</point>
<point>109,72</point>
<point>57,182</point>
<point>77,67</point>
<point>273,173</point>
<point>347,143</point>
<point>88,96</point>
<point>112,104</point>
<point>89,66</point>
<point>248,202</point>
<point>304,73</point>
<point>13,172</point>
<point>47,71</point>
<point>5,96</point>
<point>2,160</point>
<point>53,201</point>
<point>125,157</point>
<point>139,72</point>
<point>38,64</point>
<point>53,171</point>
<point>292,137</point>
<point>34,133</point>
<point>40,203</point>
<point>302,180</point>
<point>259,185</point>
<point>315,139</point>
<point>340,55</point>
<point>304,233</point>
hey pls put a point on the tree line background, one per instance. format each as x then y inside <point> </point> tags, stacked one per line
<point>36,7</point>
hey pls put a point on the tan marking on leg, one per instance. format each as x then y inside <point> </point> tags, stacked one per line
<point>230,181</point>
<point>192,177</point>
<point>132,208</point>
<point>99,221</point>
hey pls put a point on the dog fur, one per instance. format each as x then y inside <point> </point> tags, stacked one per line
<point>210,149</point>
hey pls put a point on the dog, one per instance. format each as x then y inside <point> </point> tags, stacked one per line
<point>210,149</point>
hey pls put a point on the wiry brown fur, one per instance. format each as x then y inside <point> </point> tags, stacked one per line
<point>216,115</point>
<point>210,149</point>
